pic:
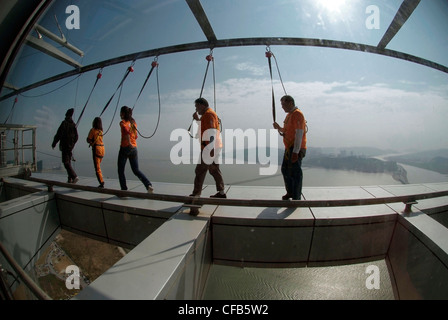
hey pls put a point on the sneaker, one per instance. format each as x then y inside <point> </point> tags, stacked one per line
<point>69,180</point>
<point>286,196</point>
<point>75,180</point>
<point>194,195</point>
<point>150,189</point>
<point>219,195</point>
<point>101,185</point>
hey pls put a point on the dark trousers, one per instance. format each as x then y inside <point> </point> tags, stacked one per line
<point>130,153</point>
<point>292,175</point>
<point>67,161</point>
<point>201,172</point>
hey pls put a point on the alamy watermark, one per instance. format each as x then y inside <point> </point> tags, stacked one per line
<point>73,21</point>
<point>237,145</point>
<point>73,277</point>
<point>373,280</point>
<point>373,20</point>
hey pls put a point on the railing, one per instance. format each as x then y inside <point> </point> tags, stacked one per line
<point>35,289</point>
<point>408,200</point>
<point>18,145</point>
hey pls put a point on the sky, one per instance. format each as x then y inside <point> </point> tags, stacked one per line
<point>349,98</point>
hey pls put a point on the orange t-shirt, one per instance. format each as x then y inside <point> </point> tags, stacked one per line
<point>128,134</point>
<point>294,120</point>
<point>209,120</point>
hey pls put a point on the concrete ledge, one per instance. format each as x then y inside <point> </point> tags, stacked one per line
<point>15,188</point>
<point>252,236</point>
<point>27,225</point>
<point>122,221</point>
<point>418,258</point>
<point>350,243</point>
<point>172,263</point>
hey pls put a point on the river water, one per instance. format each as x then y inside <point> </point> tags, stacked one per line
<point>249,174</point>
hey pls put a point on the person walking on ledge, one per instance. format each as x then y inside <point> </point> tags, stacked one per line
<point>95,140</point>
<point>67,136</point>
<point>211,146</point>
<point>128,150</point>
<point>294,139</point>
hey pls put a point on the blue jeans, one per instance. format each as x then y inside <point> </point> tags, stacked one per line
<point>130,153</point>
<point>292,175</point>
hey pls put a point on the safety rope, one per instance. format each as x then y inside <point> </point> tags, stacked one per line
<point>98,77</point>
<point>209,59</point>
<point>120,87</point>
<point>12,109</point>
<point>154,65</point>
<point>128,70</point>
<point>115,112</point>
<point>270,54</point>
<point>51,91</point>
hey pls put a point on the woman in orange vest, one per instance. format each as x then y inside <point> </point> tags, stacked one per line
<point>95,140</point>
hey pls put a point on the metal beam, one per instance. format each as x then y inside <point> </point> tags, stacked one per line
<point>403,14</point>
<point>236,43</point>
<point>18,20</point>
<point>62,41</point>
<point>27,280</point>
<point>47,48</point>
<point>201,17</point>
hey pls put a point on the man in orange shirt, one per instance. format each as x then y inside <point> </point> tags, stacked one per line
<point>209,134</point>
<point>294,139</point>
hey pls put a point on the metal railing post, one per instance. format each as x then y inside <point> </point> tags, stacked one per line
<point>37,291</point>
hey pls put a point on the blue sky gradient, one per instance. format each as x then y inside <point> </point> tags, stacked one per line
<point>349,98</point>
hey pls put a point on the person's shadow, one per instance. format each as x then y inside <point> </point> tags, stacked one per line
<point>276,213</point>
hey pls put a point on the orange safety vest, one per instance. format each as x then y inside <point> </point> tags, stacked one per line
<point>95,139</point>
<point>209,120</point>
<point>294,120</point>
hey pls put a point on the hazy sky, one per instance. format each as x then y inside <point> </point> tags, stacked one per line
<point>348,98</point>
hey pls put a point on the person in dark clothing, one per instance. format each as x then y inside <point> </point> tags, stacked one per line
<point>67,136</point>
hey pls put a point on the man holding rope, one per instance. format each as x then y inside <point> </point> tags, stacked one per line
<point>294,139</point>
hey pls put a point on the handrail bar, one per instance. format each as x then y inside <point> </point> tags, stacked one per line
<point>38,292</point>
<point>247,202</point>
